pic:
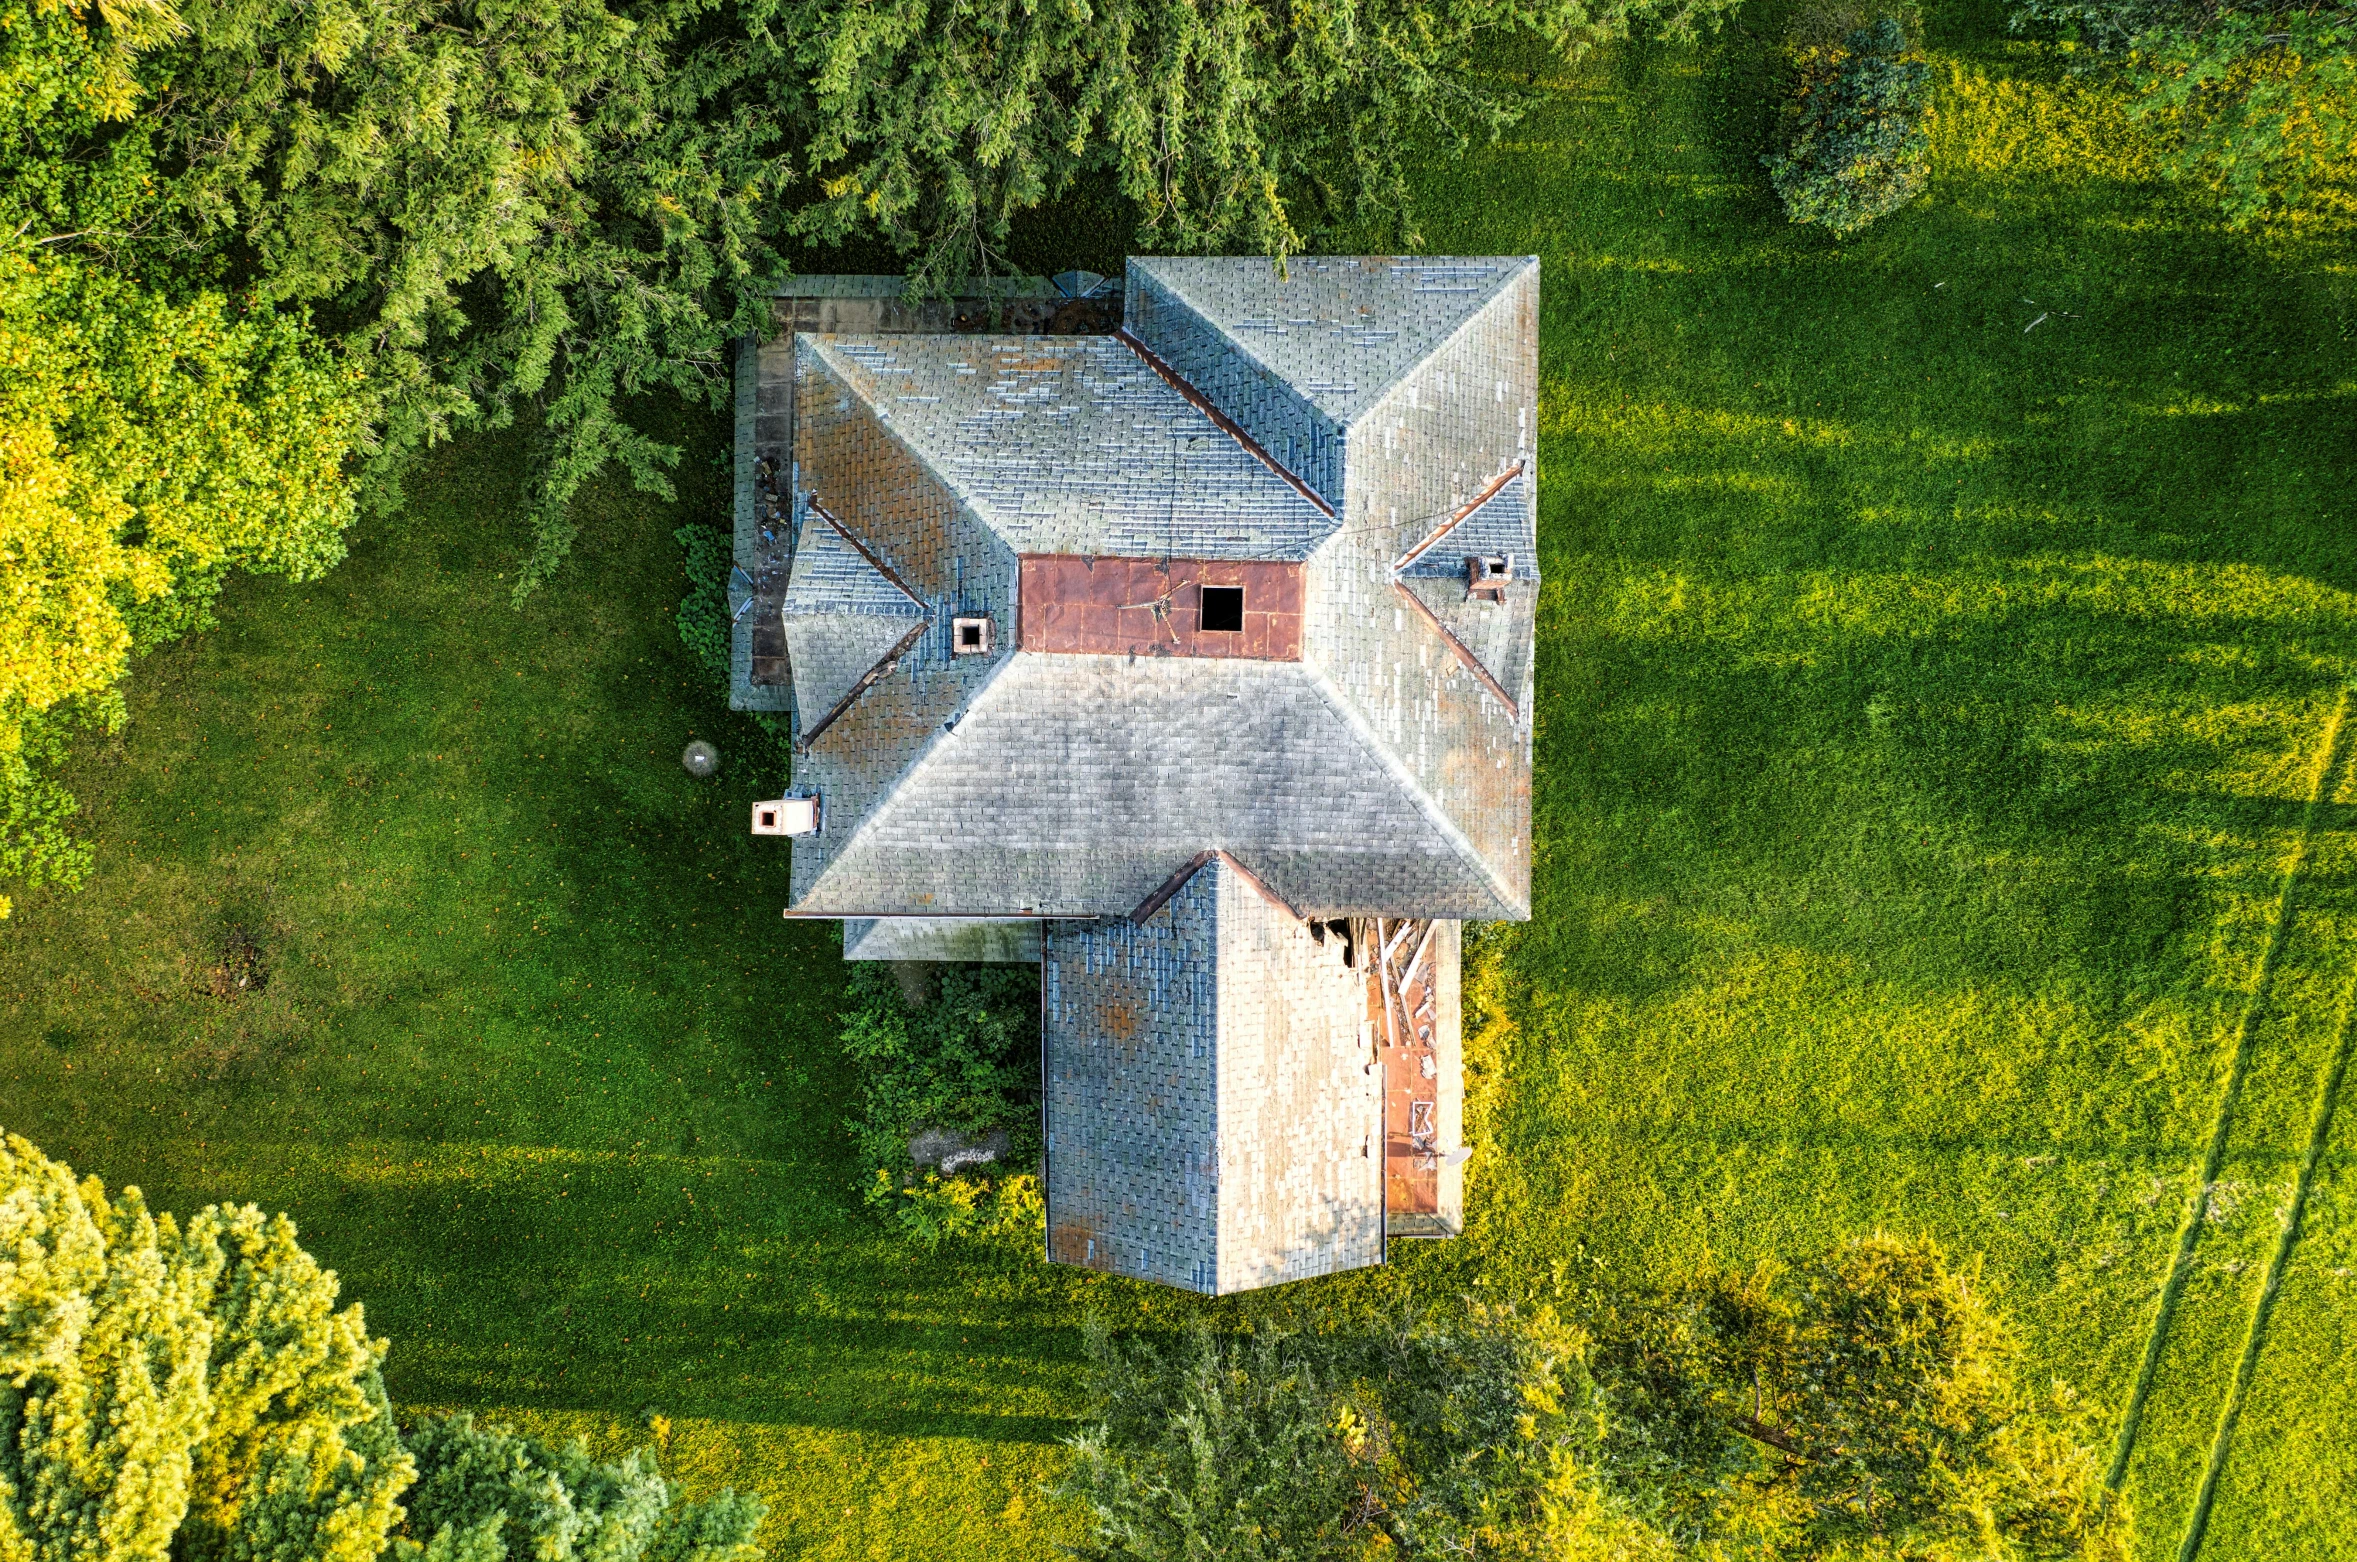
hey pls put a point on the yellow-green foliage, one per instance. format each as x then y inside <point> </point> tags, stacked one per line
<point>177,1392</point>
<point>147,444</point>
<point>2012,127</point>
<point>145,447</point>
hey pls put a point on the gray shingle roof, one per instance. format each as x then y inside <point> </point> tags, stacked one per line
<point>842,616</point>
<point>1340,330</point>
<point>1074,785</point>
<point>1209,1113</point>
<point>1073,445</point>
<point>1388,772</point>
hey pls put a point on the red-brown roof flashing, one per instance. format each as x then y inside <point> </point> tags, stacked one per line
<point>1154,607</point>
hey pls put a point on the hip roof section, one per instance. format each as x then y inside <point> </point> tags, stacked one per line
<point>1035,480</point>
<point>1074,445</point>
<point>1074,784</point>
<point>1211,1120</point>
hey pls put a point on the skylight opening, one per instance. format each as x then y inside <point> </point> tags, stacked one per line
<point>1223,609</point>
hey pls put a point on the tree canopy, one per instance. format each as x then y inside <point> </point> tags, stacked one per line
<point>1864,1402</point>
<point>152,438</point>
<point>2255,99</point>
<point>191,1393</point>
<point>180,1391</point>
<point>1467,1433</point>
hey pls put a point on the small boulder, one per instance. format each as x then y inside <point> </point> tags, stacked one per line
<point>949,1152</point>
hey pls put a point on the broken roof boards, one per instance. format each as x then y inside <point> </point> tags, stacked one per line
<point>1328,457</point>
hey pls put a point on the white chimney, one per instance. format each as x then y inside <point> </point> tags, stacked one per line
<point>786,816</point>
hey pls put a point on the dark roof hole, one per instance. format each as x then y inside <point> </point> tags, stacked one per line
<point>1223,608</point>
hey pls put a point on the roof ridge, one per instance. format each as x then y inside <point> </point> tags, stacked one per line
<point>1406,781</point>
<point>956,489</point>
<point>1497,291</point>
<point>865,552</point>
<point>889,790</point>
<point>1508,275</point>
<point>1196,864</point>
<point>1490,490</point>
<point>883,665</point>
<point>867,680</point>
<point>1220,420</point>
<point>1458,648</point>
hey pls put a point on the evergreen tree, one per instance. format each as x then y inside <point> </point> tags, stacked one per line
<point>172,1393</point>
<point>1461,1436</point>
<point>485,1494</point>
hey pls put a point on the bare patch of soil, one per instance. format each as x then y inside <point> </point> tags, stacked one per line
<point>238,967</point>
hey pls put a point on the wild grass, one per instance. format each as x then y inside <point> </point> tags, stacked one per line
<point>1941,633</point>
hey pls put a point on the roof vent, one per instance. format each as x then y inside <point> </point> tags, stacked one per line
<point>1486,575</point>
<point>786,816</point>
<point>1223,609</point>
<point>969,636</point>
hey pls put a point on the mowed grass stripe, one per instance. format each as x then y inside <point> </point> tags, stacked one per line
<point>2330,748</point>
<point>2262,1310</point>
<point>2282,1488</point>
<point>2255,1341</point>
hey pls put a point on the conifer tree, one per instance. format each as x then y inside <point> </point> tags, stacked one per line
<point>173,1394</point>
<point>486,1494</point>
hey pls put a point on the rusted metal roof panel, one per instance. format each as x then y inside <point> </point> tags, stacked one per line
<point>1153,607</point>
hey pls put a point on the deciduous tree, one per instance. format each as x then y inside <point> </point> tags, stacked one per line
<point>2257,99</point>
<point>1864,1403</point>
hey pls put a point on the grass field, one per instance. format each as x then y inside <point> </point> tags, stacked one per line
<point>1941,826</point>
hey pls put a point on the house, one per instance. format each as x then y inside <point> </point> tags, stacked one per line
<point>1186,650</point>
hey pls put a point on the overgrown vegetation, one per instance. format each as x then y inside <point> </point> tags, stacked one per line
<point>486,1494</point>
<point>706,623</point>
<point>949,1050</point>
<point>2255,100</point>
<point>1862,1404</point>
<point>961,1053</point>
<point>1856,148</point>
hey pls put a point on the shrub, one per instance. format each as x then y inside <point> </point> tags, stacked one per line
<point>1858,148</point>
<point>934,1209</point>
<point>965,1057</point>
<point>485,1494</point>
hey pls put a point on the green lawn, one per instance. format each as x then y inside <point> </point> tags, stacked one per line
<point>1938,829</point>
